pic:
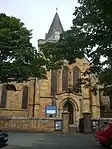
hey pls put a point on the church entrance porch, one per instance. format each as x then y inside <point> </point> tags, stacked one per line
<point>71,106</point>
<point>68,106</point>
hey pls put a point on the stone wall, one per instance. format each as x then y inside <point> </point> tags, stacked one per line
<point>28,124</point>
<point>13,112</point>
<point>14,100</point>
<point>97,123</point>
<point>88,125</point>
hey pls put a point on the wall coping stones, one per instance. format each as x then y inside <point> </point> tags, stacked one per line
<point>26,118</point>
<point>102,119</point>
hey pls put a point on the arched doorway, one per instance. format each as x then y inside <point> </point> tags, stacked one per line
<point>68,106</point>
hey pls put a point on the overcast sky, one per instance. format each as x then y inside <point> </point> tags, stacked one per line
<point>38,14</point>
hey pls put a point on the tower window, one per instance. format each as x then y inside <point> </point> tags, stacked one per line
<point>65,78</point>
<point>3,97</point>
<point>25,98</point>
<point>53,82</point>
<point>76,77</point>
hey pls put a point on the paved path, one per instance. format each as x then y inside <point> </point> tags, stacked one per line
<point>51,141</point>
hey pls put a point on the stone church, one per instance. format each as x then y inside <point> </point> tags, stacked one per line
<point>32,97</point>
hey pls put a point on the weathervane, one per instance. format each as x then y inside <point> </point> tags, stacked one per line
<point>56,9</point>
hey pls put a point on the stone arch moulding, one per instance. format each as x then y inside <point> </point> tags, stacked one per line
<point>66,66</point>
<point>25,85</point>
<point>76,67</point>
<point>75,105</point>
<point>78,70</point>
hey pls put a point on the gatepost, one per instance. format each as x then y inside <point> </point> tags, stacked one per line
<point>87,122</point>
<point>65,122</point>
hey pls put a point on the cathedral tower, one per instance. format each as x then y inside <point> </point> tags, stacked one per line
<point>54,31</point>
<point>77,104</point>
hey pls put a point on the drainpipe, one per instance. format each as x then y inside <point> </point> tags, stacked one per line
<point>90,95</point>
<point>33,110</point>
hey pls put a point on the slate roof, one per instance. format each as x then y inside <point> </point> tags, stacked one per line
<point>55,26</point>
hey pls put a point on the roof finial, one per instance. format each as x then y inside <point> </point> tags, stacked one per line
<point>56,9</point>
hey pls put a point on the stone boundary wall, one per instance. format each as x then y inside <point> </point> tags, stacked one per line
<point>28,124</point>
<point>97,122</point>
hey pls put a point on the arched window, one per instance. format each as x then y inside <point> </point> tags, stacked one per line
<point>3,97</point>
<point>54,80</point>
<point>25,97</point>
<point>76,75</point>
<point>65,78</point>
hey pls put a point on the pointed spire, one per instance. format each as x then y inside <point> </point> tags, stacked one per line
<point>56,28</point>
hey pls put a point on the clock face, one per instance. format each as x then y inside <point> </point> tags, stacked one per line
<point>57,32</point>
<point>57,35</point>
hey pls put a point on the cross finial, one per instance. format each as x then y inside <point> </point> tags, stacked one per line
<point>56,9</point>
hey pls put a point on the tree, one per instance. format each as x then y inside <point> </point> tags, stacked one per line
<point>53,59</point>
<point>19,60</point>
<point>91,36</point>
